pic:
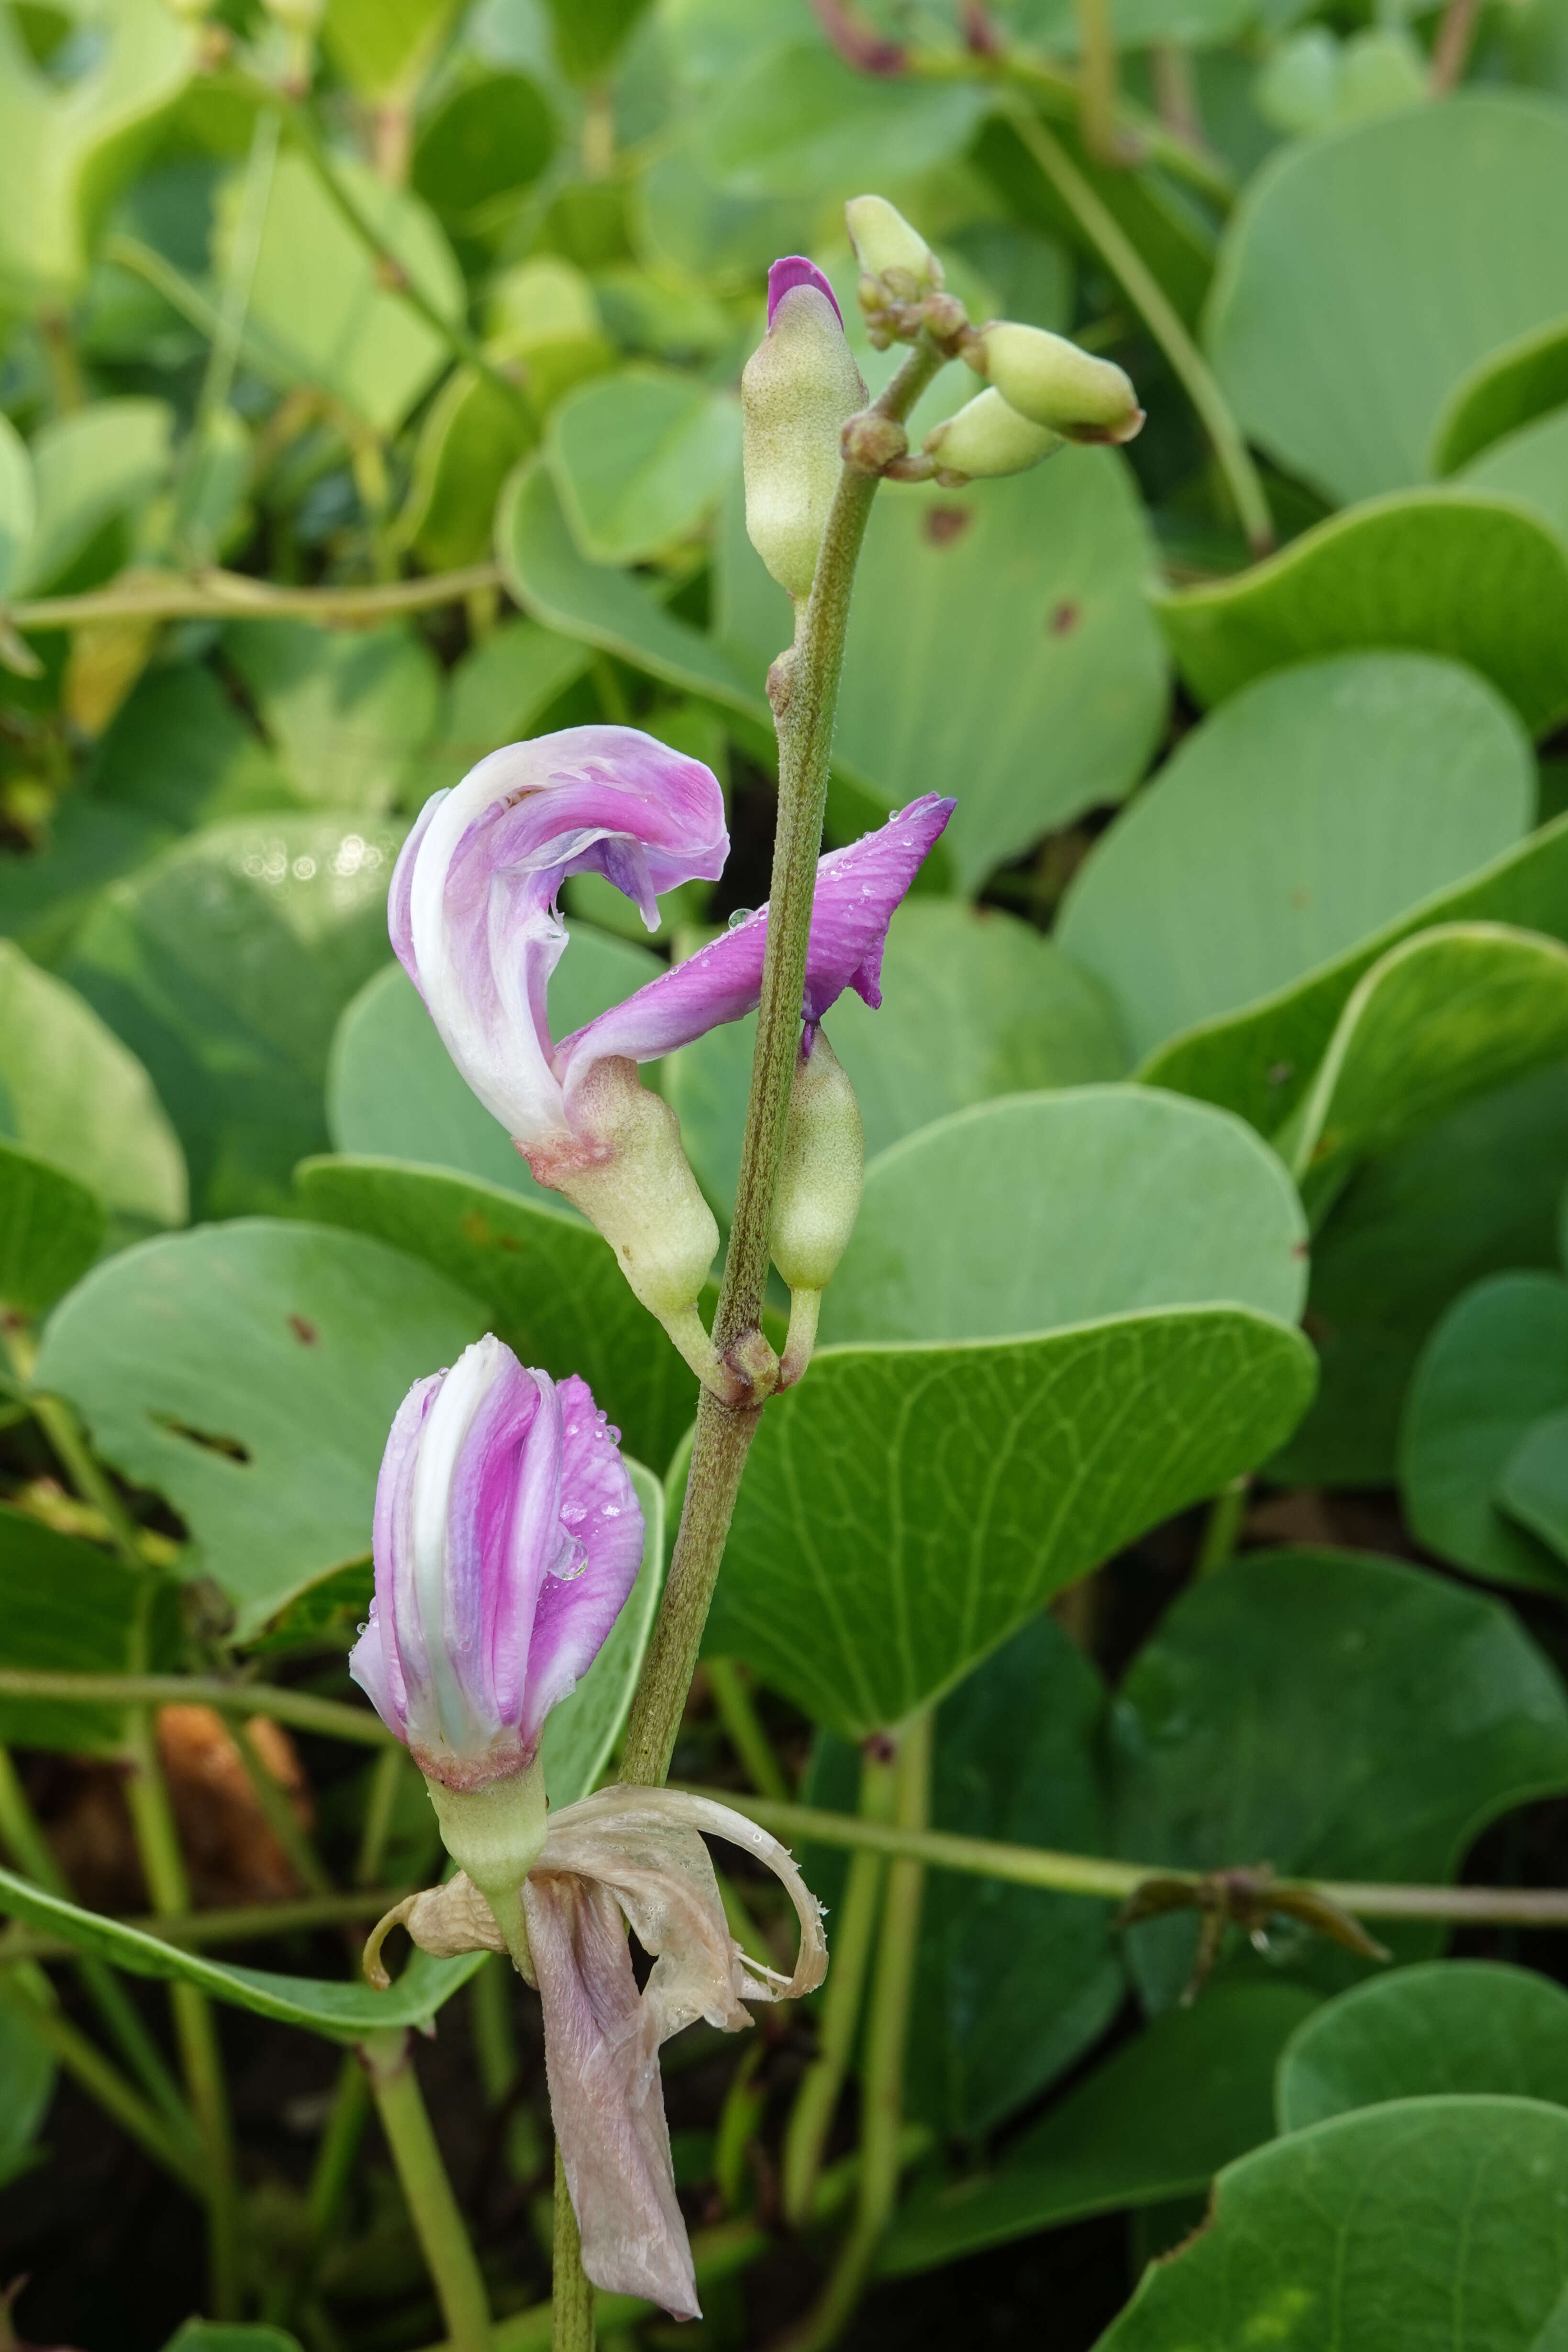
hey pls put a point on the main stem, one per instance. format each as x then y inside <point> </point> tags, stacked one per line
<point>724,1431</point>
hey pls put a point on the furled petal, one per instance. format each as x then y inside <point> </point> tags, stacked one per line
<point>472,909</point>
<point>599,1510</point>
<point>794,270</point>
<point>857,889</point>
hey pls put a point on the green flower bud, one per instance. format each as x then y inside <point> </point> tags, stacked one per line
<point>818,1196</point>
<point>889,248</point>
<point>988,438</point>
<point>1052,382</point>
<point>800,388</point>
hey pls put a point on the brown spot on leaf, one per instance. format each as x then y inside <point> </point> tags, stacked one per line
<point>304,1331</point>
<point>209,1440</point>
<point>1065,618</point>
<point>942,525</point>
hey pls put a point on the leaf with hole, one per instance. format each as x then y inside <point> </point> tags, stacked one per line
<point>1304,816</point>
<point>906,1508</point>
<point>249,1372</point>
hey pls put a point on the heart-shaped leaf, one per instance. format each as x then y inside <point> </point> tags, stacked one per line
<point>545,1281</point>
<point>224,964</point>
<point>1320,329</point>
<point>1051,1209</point>
<point>1306,815</point>
<point>1157,2120</point>
<point>249,1373</point>
<point>905,1507</point>
<point>1454,572</point>
<point>1445,2212</point>
<point>1449,2026</point>
<point>1332,1716</point>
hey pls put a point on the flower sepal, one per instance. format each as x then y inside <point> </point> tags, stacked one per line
<point>495,1834</point>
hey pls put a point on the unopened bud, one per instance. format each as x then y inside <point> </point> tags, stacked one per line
<point>869,443</point>
<point>818,1195</point>
<point>1053,382</point>
<point>987,437</point>
<point>800,387</point>
<point>889,248</point>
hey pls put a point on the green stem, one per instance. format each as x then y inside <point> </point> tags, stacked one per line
<point>300,1709</point>
<point>244,1924</point>
<point>279,1813</point>
<point>58,1423</point>
<point>437,2222</point>
<point>1159,314</point>
<point>378,1815</point>
<point>21,1834</point>
<point>817,2100</point>
<point>219,596</point>
<point>744,1727</point>
<point>494,2033</point>
<point>724,1431</point>
<point>887,2038</point>
<point>328,2193</point>
<point>571,2292</point>
<point>1222,1528</point>
<point>29,1989</point>
<point>164,1865</point>
<point>1097,45</point>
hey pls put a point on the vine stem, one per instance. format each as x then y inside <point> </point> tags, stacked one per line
<point>437,2222</point>
<point>184,596</point>
<point>1159,314</point>
<point>724,1431</point>
<point>330,1717</point>
<point>887,2039</point>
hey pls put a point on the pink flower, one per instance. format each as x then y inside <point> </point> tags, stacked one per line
<point>508,1535</point>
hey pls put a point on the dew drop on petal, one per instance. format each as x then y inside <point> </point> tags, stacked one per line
<point>742,915</point>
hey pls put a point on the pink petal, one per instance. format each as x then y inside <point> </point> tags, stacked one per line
<point>600,1511</point>
<point>857,889</point>
<point>794,270</point>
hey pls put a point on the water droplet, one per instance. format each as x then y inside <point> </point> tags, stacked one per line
<point>742,915</point>
<point>610,1511</point>
<point>574,1514</point>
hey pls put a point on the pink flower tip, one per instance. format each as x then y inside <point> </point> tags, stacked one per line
<point>794,270</point>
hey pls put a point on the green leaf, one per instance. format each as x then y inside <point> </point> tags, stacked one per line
<point>498,690</point>
<point>320,313</point>
<point>18,504</point>
<point>179,751</point>
<point>384,47</point>
<point>545,1281</point>
<point>1529,467</point>
<point>589,32</point>
<point>1473,1195</point>
<point>51,1229</point>
<point>1331,1715</point>
<point>800,123</point>
<point>1051,1209</point>
<point>974,1004</point>
<point>638,459</point>
<point>71,1093</point>
<point>394,1093</point>
<point>471,436</point>
<point>1000,649</point>
<point>1450,2026</point>
<point>1532,1486</point>
<point>27,2087</point>
<point>906,1506</point>
<point>220,2336</point>
<point>349,712</point>
<point>1157,2120</point>
<point>341,2011</point>
<point>1321,326</point>
<point>482,146</point>
<point>1440,2219</point>
<point>1304,816</point>
<point>66,1607</point>
<point>1454,572</point>
<point>555,584</point>
<point>1504,391</point>
<point>1455,1012</point>
<point>224,964</point>
<point>250,1373</point>
<point>580,1734</point>
<point>1012,1984</point>
<point>1260,1061</point>
<point>89,467</point>
<point>1496,1364</point>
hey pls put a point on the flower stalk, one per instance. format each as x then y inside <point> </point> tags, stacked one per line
<point>437,2222</point>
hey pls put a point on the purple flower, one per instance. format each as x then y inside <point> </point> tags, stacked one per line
<point>508,1535</point>
<point>473,907</point>
<point>794,270</point>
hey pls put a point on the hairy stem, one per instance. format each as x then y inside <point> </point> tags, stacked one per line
<point>886,2037</point>
<point>724,1431</point>
<point>571,2292</point>
<point>437,2222</point>
<point>811,2118</point>
<point>1159,314</point>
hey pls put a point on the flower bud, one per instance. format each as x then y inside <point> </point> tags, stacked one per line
<point>818,1196</point>
<point>1053,382</point>
<point>886,248</point>
<point>987,437</point>
<point>800,387</point>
